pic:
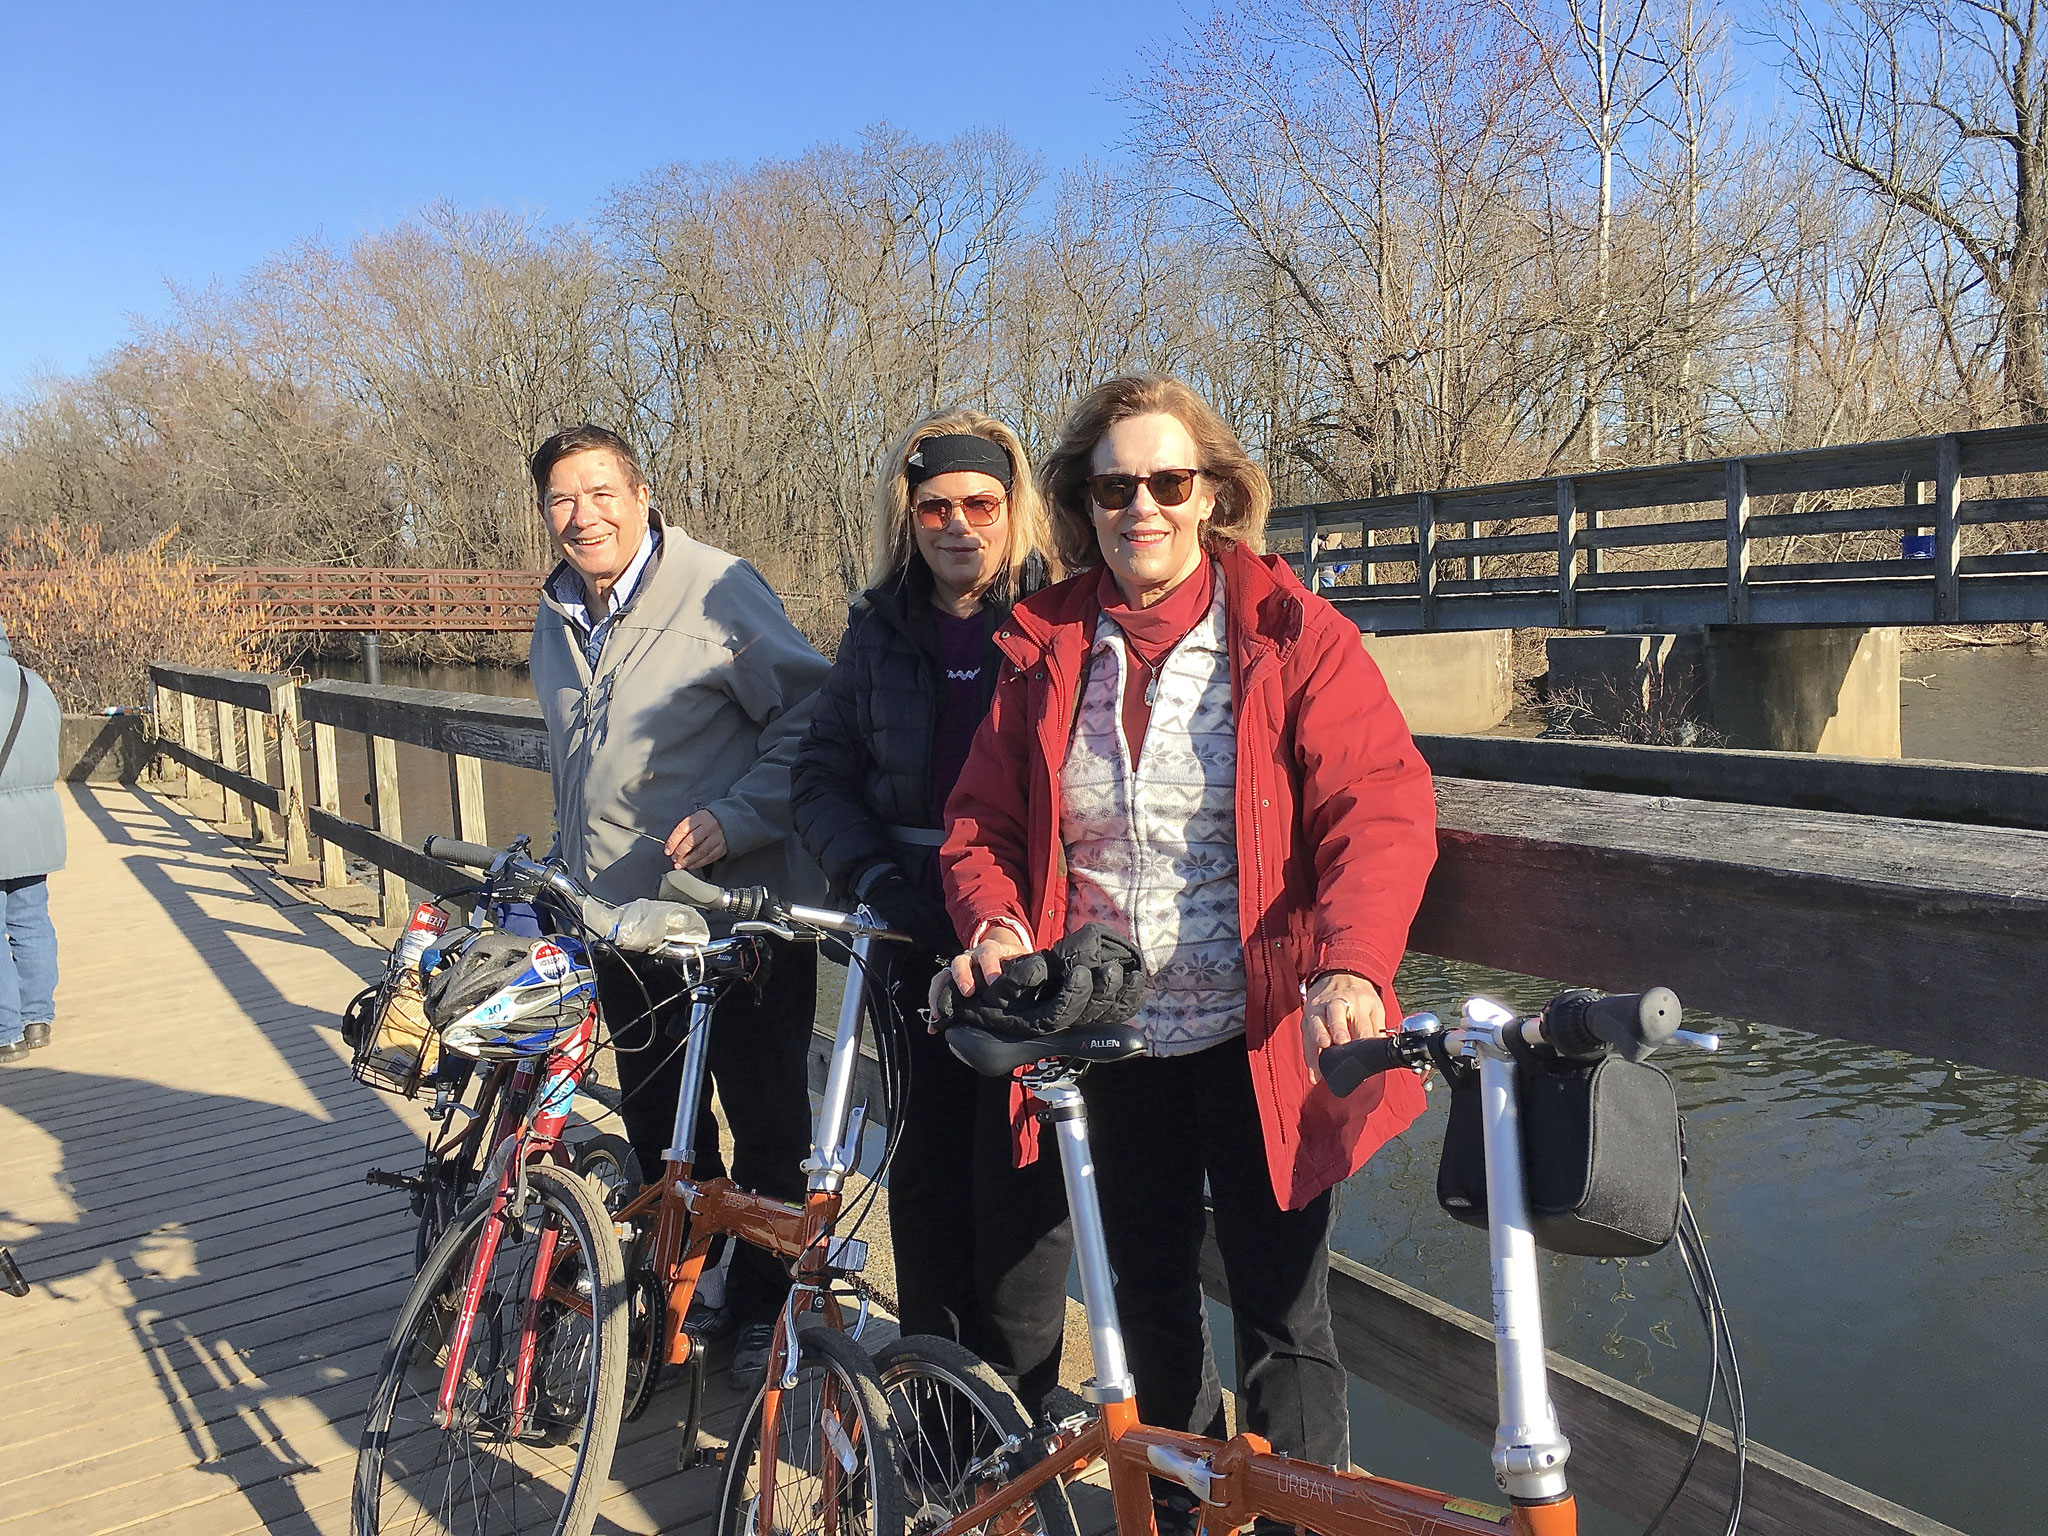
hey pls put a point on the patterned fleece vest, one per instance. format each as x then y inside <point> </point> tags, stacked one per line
<point>1153,854</point>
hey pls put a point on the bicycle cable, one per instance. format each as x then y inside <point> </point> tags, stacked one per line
<point>1699,1272</point>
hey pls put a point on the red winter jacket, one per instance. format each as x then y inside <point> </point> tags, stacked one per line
<point>1336,832</point>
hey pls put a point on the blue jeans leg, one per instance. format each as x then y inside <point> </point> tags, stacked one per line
<point>28,969</point>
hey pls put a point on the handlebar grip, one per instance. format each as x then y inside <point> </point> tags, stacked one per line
<point>1345,1067</point>
<point>694,890</point>
<point>452,850</point>
<point>1632,1024</point>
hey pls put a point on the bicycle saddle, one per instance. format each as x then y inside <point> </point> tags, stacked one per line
<point>994,1055</point>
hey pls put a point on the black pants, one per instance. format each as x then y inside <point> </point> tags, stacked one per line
<point>1159,1125</point>
<point>981,1246</point>
<point>757,1061</point>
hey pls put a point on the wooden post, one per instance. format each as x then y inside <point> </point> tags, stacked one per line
<point>233,808</point>
<point>189,708</point>
<point>1425,557</point>
<point>1738,542</point>
<point>1472,561</point>
<point>297,844</point>
<point>1589,520</point>
<point>1567,553</point>
<point>466,796</point>
<point>394,905</point>
<point>1367,571</point>
<point>163,725</point>
<point>327,790</point>
<point>1948,532</point>
<point>261,822</point>
<point>1311,538</point>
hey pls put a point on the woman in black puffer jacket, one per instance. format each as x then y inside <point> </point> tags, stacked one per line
<point>981,1246</point>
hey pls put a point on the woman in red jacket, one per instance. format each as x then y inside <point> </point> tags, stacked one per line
<point>1189,746</point>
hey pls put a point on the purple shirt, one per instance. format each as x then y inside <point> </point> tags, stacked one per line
<point>962,646</point>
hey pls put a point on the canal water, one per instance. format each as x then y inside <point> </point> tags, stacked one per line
<point>1878,1222</point>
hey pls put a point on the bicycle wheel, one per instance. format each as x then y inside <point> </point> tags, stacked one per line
<point>611,1165</point>
<point>834,1471</point>
<point>483,1473</point>
<point>954,1417</point>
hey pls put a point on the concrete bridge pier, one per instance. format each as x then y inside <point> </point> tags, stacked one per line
<point>1769,688</point>
<point>1450,682</point>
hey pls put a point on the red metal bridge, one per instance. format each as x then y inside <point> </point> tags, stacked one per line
<point>312,599</point>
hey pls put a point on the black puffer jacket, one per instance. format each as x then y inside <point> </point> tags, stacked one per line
<point>866,764</point>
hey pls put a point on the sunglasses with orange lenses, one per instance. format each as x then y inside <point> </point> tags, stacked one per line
<point>1169,488</point>
<point>980,510</point>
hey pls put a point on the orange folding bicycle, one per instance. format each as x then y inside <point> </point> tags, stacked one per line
<point>802,1459</point>
<point>974,1463</point>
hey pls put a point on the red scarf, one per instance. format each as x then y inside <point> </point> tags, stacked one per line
<point>1150,634</point>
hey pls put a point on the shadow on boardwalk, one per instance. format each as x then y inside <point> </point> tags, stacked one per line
<point>253,1275</point>
<point>181,1179</point>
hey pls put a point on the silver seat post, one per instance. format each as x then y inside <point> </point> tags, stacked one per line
<point>1067,1118</point>
<point>1529,1450</point>
<point>830,1157</point>
<point>682,1146</point>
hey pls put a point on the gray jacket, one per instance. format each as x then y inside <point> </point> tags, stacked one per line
<point>31,817</point>
<point>700,696</point>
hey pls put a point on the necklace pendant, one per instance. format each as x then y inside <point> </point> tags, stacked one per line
<point>1152,691</point>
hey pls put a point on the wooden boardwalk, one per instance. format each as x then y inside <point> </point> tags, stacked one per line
<point>181,1179</point>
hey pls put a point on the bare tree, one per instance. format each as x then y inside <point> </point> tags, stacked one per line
<point>1940,110</point>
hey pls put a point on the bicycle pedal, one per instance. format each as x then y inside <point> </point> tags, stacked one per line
<point>692,1457</point>
<point>391,1180</point>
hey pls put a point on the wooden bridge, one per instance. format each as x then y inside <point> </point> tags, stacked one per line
<point>213,1282</point>
<point>1812,537</point>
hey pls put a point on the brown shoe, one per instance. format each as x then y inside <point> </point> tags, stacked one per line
<point>13,1051</point>
<point>37,1035</point>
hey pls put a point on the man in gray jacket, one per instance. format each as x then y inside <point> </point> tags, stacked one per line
<point>31,849</point>
<point>676,692</point>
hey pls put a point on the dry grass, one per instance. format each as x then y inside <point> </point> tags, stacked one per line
<point>91,621</point>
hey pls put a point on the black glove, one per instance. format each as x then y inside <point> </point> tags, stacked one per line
<point>1034,995</point>
<point>907,908</point>
<point>1114,970</point>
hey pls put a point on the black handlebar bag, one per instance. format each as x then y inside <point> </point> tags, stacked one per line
<point>1602,1154</point>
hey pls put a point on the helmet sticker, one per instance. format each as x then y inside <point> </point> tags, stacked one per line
<point>550,962</point>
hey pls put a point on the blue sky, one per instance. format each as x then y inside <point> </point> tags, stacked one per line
<point>156,142</point>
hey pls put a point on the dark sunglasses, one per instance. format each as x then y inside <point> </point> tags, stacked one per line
<point>936,512</point>
<point>1169,488</point>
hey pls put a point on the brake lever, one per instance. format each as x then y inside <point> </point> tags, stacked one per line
<point>762,925</point>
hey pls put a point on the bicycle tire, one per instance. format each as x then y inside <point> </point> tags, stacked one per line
<point>610,1163</point>
<point>472,1476</point>
<point>952,1413</point>
<point>835,1380</point>
<point>613,1168</point>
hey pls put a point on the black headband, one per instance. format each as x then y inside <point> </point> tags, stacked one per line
<point>957,451</point>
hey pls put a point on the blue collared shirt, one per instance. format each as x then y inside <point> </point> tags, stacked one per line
<point>568,592</point>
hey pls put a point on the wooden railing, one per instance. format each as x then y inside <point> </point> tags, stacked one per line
<point>1554,549</point>
<point>1580,866</point>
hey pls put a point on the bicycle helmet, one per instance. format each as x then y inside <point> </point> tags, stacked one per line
<point>507,996</point>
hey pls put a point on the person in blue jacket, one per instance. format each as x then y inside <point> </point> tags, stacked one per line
<point>31,849</point>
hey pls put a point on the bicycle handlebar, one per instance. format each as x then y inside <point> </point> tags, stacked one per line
<point>1346,1067</point>
<point>642,920</point>
<point>1587,1026</point>
<point>452,850</point>
<point>1578,1024</point>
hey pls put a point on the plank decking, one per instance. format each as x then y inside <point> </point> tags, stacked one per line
<point>181,1180</point>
